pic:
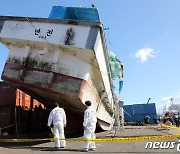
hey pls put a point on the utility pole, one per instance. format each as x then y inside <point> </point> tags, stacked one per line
<point>172,105</point>
<point>171,99</point>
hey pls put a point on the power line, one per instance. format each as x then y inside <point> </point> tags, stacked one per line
<point>115,45</point>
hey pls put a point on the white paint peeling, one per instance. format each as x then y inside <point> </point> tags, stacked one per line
<point>45,43</point>
<point>35,31</point>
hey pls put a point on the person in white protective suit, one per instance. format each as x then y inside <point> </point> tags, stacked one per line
<point>89,125</point>
<point>58,117</point>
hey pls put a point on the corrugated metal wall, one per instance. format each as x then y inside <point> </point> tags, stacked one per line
<point>30,121</point>
<point>7,119</point>
<point>7,95</point>
<point>7,107</point>
<point>17,115</point>
<point>128,115</point>
<point>24,100</point>
<point>139,111</point>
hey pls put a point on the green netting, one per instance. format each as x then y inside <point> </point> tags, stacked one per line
<point>115,66</point>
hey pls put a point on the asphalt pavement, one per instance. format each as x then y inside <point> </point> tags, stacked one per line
<point>169,146</point>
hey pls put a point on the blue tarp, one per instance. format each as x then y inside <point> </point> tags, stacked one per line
<point>75,13</point>
<point>120,85</point>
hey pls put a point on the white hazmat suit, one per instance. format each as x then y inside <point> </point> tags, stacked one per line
<point>89,128</point>
<point>58,117</point>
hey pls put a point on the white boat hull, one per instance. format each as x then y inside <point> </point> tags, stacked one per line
<point>56,60</point>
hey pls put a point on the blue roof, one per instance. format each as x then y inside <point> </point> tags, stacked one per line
<point>75,13</point>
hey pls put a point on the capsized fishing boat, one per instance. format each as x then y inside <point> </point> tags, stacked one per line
<point>61,58</point>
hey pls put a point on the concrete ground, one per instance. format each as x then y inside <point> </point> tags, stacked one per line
<point>102,147</point>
